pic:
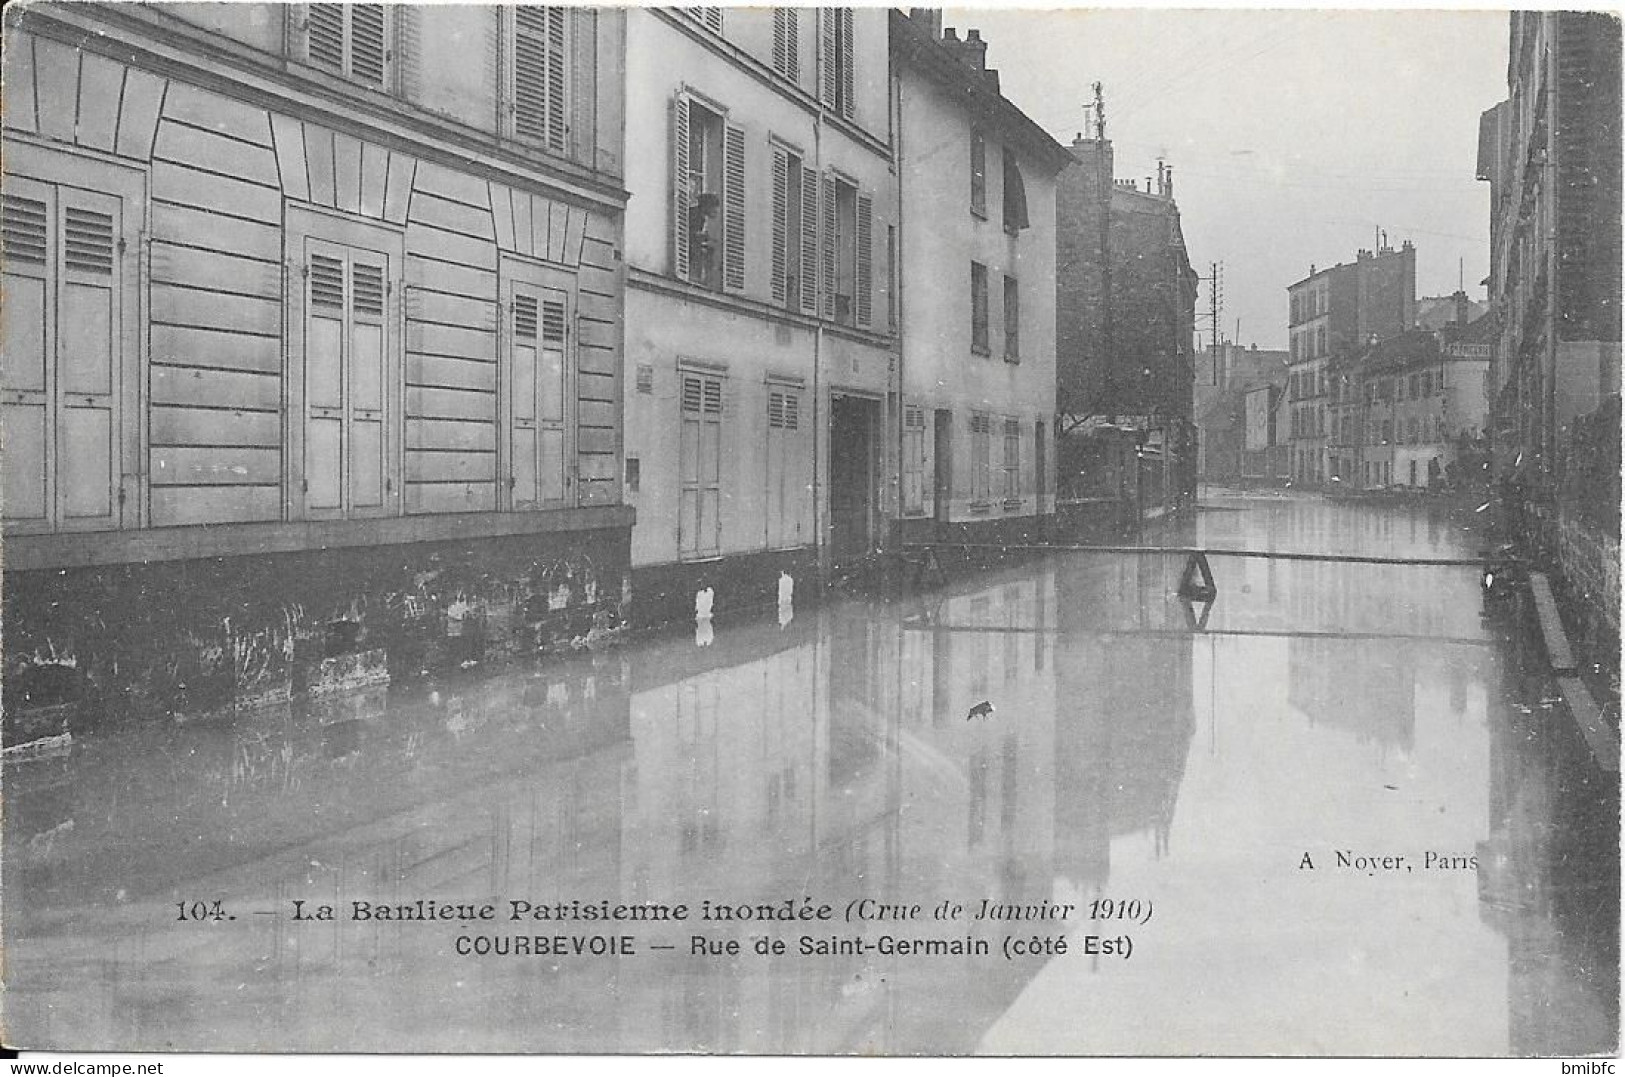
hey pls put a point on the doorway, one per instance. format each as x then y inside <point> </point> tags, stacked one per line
<point>853,422</point>
<point>942,483</point>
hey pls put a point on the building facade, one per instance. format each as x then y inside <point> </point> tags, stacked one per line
<point>1125,326</point>
<point>1227,431</point>
<point>1551,154</point>
<point>1335,312</point>
<point>976,206</point>
<point>294,281</point>
<point>759,260</point>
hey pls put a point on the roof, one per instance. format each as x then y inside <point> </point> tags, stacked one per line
<point>917,47</point>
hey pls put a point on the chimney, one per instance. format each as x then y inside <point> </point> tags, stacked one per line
<point>928,19</point>
<point>1170,175</point>
<point>1463,309</point>
<point>975,51</point>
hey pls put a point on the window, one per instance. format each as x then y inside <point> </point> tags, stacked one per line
<point>978,309</point>
<point>539,80</point>
<point>786,42</point>
<point>708,17</point>
<point>351,39</point>
<point>891,277</point>
<point>981,436</point>
<point>1012,462</point>
<point>978,174</point>
<point>345,361</point>
<point>708,189</point>
<point>788,517</point>
<point>70,339</point>
<point>914,460</point>
<point>835,59</point>
<point>847,252</point>
<point>1015,195</point>
<point>534,377</point>
<point>699,526</point>
<point>1320,341</point>
<point>1012,321</point>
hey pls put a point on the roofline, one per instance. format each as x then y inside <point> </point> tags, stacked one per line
<point>920,50</point>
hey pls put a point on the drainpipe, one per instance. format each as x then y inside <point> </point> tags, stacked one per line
<point>821,523</point>
<point>894,282</point>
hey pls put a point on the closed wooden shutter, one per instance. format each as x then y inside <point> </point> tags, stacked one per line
<point>679,187</point>
<point>346,363</point>
<point>786,43</point>
<point>865,258</point>
<point>845,15</point>
<point>809,240</point>
<point>540,75</point>
<point>369,43</point>
<point>63,345</point>
<point>828,40</point>
<point>827,260</point>
<point>781,222</point>
<point>324,35</point>
<point>699,525</point>
<point>733,201</point>
<point>352,39</point>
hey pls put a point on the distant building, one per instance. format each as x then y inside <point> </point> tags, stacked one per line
<point>1125,321</point>
<point>976,204</point>
<point>1263,449</point>
<point>1410,411</point>
<point>1551,153</point>
<point>1438,311</point>
<point>1225,377</point>
<point>1334,312</point>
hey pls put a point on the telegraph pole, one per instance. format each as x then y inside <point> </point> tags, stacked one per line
<point>1215,291</point>
<point>1103,179</point>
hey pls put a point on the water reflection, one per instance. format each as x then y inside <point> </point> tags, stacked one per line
<point>837,755</point>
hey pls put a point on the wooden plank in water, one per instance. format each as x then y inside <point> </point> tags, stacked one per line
<point>1599,736</point>
<point>1558,651</point>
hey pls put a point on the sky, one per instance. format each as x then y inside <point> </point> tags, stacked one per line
<point>1294,135</point>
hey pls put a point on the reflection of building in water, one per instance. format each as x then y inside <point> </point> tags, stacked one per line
<point>1124,717</point>
<point>1366,687</point>
<point>1548,875</point>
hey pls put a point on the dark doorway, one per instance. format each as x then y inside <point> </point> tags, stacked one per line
<point>852,424</point>
<point>942,484</point>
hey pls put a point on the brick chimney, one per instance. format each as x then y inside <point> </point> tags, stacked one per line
<point>1464,309</point>
<point>975,50</point>
<point>928,19</point>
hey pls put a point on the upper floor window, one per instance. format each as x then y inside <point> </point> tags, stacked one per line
<point>709,17</point>
<point>708,182</point>
<point>978,308</point>
<point>787,42</point>
<point>1012,321</point>
<point>538,78</point>
<point>978,174</point>
<point>1015,195</point>
<point>352,39</point>
<point>835,59</point>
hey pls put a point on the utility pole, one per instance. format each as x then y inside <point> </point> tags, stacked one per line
<point>1103,179</point>
<point>1215,296</point>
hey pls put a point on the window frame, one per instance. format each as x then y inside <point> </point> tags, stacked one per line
<point>516,274</point>
<point>978,174</point>
<point>345,69</point>
<point>1012,319</point>
<point>548,139</point>
<point>979,315</point>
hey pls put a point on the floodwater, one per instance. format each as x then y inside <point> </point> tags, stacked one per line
<point>1335,812</point>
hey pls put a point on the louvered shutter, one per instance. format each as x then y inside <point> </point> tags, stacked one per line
<point>845,14</point>
<point>368,287</point>
<point>536,379</point>
<point>865,267</point>
<point>324,35</point>
<point>552,465</point>
<point>828,38</point>
<point>699,530</point>
<point>524,442</point>
<point>733,200</point>
<point>324,382</point>
<point>539,74</point>
<point>369,43</point>
<point>28,374</point>
<point>679,187</point>
<point>809,240</point>
<point>786,44</point>
<point>781,222</point>
<point>712,17</point>
<point>827,259</point>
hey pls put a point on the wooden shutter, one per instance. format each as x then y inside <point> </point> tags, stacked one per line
<point>536,377</point>
<point>679,187</point>
<point>324,381</point>
<point>733,208</point>
<point>845,15</point>
<point>809,240</point>
<point>540,74</point>
<point>369,44</point>
<point>324,35</point>
<point>699,527</point>
<point>352,39</point>
<point>781,222</point>
<point>865,267</point>
<point>28,373</point>
<point>828,37</point>
<point>786,44</point>
<point>827,260</point>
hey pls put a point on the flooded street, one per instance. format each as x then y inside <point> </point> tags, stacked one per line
<point>1333,813</point>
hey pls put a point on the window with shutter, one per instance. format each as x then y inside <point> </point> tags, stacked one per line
<point>699,525</point>
<point>914,460</point>
<point>1012,461</point>
<point>827,259</point>
<point>346,362</point>
<point>780,283</point>
<point>534,378</point>
<point>540,74</point>
<point>733,197</point>
<point>786,42</point>
<point>835,77</point>
<point>978,312</point>
<point>981,430</point>
<point>1012,320</point>
<point>65,349</point>
<point>978,174</point>
<point>1015,195</point>
<point>865,259</point>
<point>788,495</point>
<point>703,197</point>
<point>809,241</point>
<point>351,39</point>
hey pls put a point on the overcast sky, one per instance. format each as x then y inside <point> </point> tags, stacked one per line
<point>1293,135</point>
